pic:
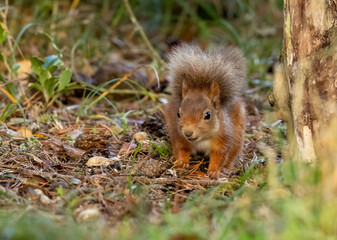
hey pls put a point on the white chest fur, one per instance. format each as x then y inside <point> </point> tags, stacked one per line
<point>201,146</point>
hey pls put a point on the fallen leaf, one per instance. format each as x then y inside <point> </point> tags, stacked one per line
<point>100,161</point>
<point>141,136</point>
<point>127,149</point>
<point>75,133</point>
<point>24,132</point>
<point>72,152</point>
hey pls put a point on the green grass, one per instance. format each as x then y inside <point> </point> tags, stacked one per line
<point>30,224</point>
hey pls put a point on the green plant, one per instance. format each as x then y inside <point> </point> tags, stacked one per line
<point>60,191</point>
<point>94,130</point>
<point>48,118</point>
<point>7,111</point>
<point>124,121</point>
<point>71,140</point>
<point>53,78</point>
<point>163,148</point>
<point>31,143</point>
<point>90,99</point>
<point>9,88</point>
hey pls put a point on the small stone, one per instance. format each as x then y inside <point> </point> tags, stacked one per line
<point>43,198</point>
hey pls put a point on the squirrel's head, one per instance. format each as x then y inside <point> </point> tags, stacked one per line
<point>199,112</point>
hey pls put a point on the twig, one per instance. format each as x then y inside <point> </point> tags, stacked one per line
<point>139,164</point>
<point>165,181</point>
<point>112,133</point>
<point>142,33</point>
<point>101,196</point>
<point>46,174</point>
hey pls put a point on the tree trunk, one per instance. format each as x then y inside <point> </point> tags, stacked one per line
<point>309,87</point>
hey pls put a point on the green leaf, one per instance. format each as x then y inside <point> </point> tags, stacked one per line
<point>64,79</point>
<point>36,64</point>
<point>16,43</point>
<point>16,67</point>
<point>12,89</point>
<point>94,130</point>
<point>60,191</point>
<point>8,111</point>
<point>50,85</point>
<point>43,74</point>
<point>53,43</point>
<point>2,58</point>
<point>36,86</point>
<point>3,34</point>
<point>52,61</point>
<point>2,78</point>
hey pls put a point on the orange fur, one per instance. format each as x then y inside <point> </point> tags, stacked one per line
<point>206,91</point>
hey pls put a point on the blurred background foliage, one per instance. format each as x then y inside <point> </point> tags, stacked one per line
<point>82,36</point>
<point>91,29</point>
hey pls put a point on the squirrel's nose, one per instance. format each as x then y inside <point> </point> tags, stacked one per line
<point>188,133</point>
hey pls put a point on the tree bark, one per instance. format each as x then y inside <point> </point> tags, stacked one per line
<point>309,85</point>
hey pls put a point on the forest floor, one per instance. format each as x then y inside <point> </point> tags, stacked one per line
<point>93,167</point>
<point>84,150</point>
<point>102,167</point>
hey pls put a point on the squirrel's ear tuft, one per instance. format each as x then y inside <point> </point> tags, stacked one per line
<point>214,94</point>
<point>184,89</point>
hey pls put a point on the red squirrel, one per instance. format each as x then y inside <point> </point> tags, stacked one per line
<point>206,111</point>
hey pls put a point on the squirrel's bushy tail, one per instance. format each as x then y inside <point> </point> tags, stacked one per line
<point>199,69</point>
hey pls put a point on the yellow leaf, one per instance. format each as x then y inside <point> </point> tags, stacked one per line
<point>10,96</point>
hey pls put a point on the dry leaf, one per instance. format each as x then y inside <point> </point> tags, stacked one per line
<point>72,152</point>
<point>127,149</point>
<point>100,161</point>
<point>141,136</point>
<point>24,132</point>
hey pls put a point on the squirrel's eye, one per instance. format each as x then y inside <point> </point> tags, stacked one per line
<point>178,114</point>
<point>207,116</point>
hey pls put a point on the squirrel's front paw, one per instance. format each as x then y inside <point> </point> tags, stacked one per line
<point>213,174</point>
<point>181,164</point>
